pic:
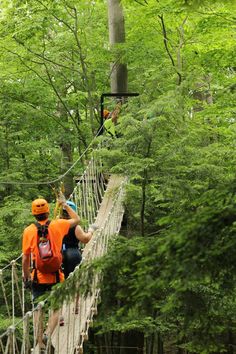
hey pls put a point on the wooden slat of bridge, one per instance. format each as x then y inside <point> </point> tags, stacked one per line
<point>67,337</point>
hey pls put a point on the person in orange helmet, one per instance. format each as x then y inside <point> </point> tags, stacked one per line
<point>106,114</point>
<point>111,119</point>
<point>41,282</point>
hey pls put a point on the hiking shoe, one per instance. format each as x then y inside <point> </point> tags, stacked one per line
<point>76,311</point>
<point>61,321</point>
<point>49,348</point>
<point>45,339</point>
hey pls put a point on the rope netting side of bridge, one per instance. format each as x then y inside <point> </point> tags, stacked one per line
<point>107,212</point>
<point>70,339</point>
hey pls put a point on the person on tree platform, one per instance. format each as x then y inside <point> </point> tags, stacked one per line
<point>42,244</point>
<point>111,120</point>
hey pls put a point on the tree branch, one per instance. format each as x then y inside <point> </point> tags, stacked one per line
<point>37,109</point>
<point>165,39</point>
<point>140,3</point>
<point>41,56</point>
<point>59,96</point>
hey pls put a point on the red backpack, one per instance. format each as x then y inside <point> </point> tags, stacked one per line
<point>48,259</point>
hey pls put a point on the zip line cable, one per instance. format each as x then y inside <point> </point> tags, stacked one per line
<point>61,176</point>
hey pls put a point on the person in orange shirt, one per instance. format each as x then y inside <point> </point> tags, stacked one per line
<point>42,282</point>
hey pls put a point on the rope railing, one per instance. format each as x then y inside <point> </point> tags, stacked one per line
<point>89,191</point>
<point>98,248</point>
<point>21,335</point>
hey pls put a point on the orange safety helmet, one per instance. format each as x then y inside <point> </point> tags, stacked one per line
<point>106,113</point>
<point>40,206</point>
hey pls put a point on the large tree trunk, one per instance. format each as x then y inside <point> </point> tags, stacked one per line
<point>66,153</point>
<point>119,73</point>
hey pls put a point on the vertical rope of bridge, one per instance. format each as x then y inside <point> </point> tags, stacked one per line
<point>26,333</point>
<point>68,328</point>
<point>12,332</point>
<point>93,196</point>
<point>80,202</point>
<point>25,321</point>
<point>12,339</point>
<point>83,209</point>
<point>18,288</point>
<point>87,195</point>
<point>1,346</point>
<point>94,183</point>
<point>85,192</point>
<point>90,196</point>
<point>99,186</point>
<point>73,322</point>
<point>8,342</point>
<point>58,331</point>
<point>4,293</point>
<point>76,200</point>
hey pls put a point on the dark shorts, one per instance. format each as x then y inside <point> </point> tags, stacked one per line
<point>71,258</point>
<point>40,289</point>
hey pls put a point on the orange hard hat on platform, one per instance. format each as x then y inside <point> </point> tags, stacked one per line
<point>40,206</point>
<point>106,113</point>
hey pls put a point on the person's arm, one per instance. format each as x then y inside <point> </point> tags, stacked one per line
<point>26,266</point>
<point>83,236</point>
<point>74,217</point>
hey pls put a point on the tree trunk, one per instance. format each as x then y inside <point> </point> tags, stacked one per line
<point>231,345</point>
<point>143,203</point>
<point>66,149</point>
<point>119,74</point>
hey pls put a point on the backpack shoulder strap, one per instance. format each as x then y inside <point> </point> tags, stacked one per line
<point>42,229</point>
<point>37,224</point>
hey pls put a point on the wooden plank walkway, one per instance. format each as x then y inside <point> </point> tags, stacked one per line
<point>66,338</point>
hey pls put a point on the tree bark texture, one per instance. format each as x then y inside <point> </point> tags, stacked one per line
<point>119,74</point>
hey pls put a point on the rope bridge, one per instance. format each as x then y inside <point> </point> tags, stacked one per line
<point>99,200</point>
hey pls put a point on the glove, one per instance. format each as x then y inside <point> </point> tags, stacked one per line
<point>28,284</point>
<point>92,228</point>
<point>61,199</point>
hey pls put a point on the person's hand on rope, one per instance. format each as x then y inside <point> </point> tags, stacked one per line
<point>92,228</point>
<point>61,199</point>
<point>27,284</point>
